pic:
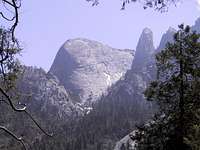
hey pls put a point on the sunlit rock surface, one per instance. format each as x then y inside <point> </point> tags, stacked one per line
<point>87,68</point>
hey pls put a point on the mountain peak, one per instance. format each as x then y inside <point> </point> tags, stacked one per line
<point>144,49</point>
<point>167,37</point>
<point>147,31</point>
<point>147,34</point>
<point>146,39</point>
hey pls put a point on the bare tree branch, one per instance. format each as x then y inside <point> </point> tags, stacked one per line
<point>6,17</point>
<point>31,117</point>
<point>19,139</point>
<point>11,103</point>
<point>15,18</point>
<point>3,59</point>
<point>9,3</point>
<point>28,114</point>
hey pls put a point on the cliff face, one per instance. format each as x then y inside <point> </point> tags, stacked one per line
<point>45,92</point>
<point>141,72</point>
<point>123,106</point>
<point>87,68</point>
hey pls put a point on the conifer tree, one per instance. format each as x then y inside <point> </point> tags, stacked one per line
<point>177,94</point>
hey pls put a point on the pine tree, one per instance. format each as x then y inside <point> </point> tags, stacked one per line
<point>193,139</point>
<point>176,92</point>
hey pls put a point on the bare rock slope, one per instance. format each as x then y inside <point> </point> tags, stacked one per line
<point>87,68</point>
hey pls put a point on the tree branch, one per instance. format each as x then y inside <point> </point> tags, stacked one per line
<point>30,116</point>
<point>6,17</point>
<point>19,139</point>
<point>15,18</point>
<point>11,103</point>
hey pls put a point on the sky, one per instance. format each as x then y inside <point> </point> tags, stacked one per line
<point>45,25</point>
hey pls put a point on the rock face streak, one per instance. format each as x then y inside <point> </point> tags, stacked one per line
<point>87,68</point>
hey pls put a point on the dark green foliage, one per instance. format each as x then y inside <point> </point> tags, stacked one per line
<point>193,138</point>
<point>177,93</point>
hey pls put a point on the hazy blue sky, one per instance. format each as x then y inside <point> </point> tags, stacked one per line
<point>45,25</point>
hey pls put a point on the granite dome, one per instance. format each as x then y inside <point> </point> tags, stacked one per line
<point>87,68</point>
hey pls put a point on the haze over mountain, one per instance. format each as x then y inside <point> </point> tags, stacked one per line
<point>84,71</point>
